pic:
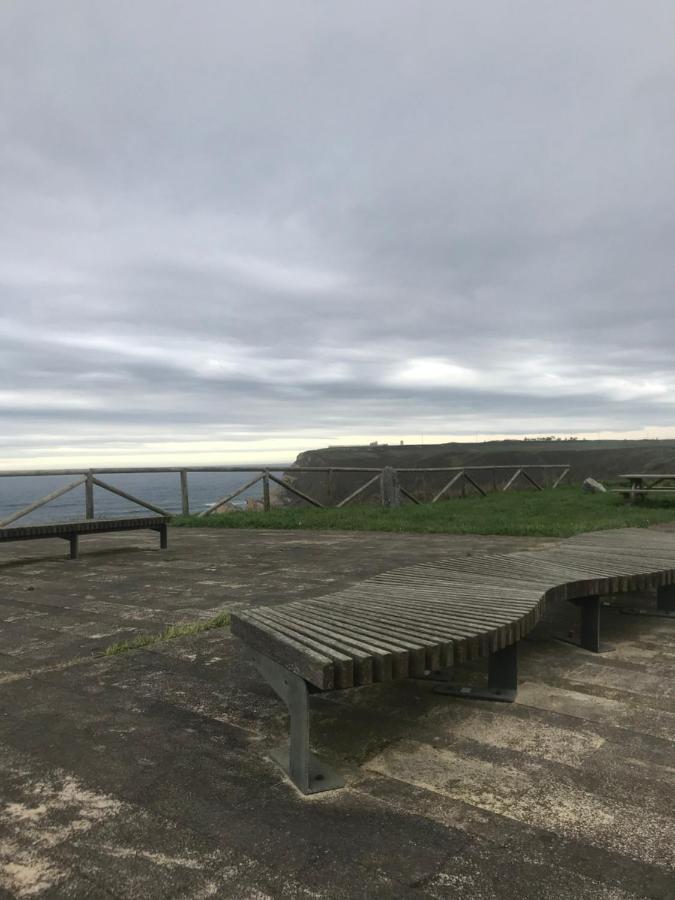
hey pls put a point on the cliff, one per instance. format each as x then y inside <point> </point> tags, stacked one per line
<point>603,460</point>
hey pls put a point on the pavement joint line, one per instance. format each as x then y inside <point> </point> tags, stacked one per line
<point>494,841</point>
<point>13,677</point>
<point>545,709</point>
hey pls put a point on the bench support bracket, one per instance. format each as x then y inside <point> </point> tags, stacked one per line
<point>589,626</point>
<point>665,598</point>
<point>665,605</point>
<point>163,537</point>
<point>74,541</point>
<point>502,683</point>
<point>308,773</point>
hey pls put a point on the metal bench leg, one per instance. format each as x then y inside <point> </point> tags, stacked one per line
<point>307,772</point>
<point>503,671</point>
<point>74,540</point>
<point>665,605</point>
<point>163,537</point>
<point>665,599</point>
<point>502,679</point>
<point>589,626</point>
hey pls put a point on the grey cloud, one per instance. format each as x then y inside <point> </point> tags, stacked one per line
<point>287,218</point>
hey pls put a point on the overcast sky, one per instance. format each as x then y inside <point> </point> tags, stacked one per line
<point>236,230</point>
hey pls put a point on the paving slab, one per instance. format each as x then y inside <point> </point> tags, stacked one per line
<point>146,774</point>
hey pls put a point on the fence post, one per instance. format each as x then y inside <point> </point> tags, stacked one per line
<point>494,479</point>
<point>266,492</point>
<point>89,496</point>
<point>330,487</point>
<point>184,496</point>
<point>389,487</point>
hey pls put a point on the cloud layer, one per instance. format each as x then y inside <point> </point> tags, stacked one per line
<point>239,230</point>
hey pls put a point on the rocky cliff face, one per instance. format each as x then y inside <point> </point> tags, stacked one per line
<point>603,460</point>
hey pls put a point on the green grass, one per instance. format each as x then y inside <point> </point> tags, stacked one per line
<point>556,513</point>
<point>169,634</point>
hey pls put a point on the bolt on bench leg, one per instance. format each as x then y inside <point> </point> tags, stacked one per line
<point>307,772</point>
<point>502,679</point>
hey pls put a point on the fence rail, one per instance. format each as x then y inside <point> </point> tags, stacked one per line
<point>388,479</point>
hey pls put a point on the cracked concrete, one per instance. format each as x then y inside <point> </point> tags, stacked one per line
<point>145,774</point>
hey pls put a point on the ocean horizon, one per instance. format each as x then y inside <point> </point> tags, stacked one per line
<point>159,488</point>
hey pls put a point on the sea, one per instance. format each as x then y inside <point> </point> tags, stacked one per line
<point>161,488</point>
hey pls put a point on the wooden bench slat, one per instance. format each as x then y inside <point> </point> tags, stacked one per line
<point>429,583</point>
<point>467,607</point>
<point>361,653</point>
<point>433,635</point>
<point>315,668</point>
<point>636,558</point>
<point>600,568</point>
<point>404,619</point>
<point>457,588</point>
<point>396,659</point>
<point>413,650</point>
<point>550,570</point>
<point>493,583</point>
<point>448,625</point>
<point>447,620</point>
<point>409,653</point>
<point>496,569</point>
<point>343,665</point>
<point>388,653</point>
<point>471,610</point>
<point>430,615</point>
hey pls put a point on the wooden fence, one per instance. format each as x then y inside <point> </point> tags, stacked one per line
<point>387,479</point>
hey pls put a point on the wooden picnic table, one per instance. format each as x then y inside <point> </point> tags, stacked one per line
<point>642,484</point>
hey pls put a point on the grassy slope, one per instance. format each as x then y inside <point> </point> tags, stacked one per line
<point>559,513</point>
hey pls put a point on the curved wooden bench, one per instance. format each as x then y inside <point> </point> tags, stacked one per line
<point>420,620</point>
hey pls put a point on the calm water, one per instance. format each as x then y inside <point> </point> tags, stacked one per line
<point>163,489</point>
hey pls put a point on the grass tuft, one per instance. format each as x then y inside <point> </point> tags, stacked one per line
<point>562,512</point>
<point>169,634</point>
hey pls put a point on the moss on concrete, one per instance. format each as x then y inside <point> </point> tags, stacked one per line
<point>173,631</point>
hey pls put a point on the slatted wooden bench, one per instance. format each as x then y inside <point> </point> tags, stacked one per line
<point>420,621</point>
<point>71,531</point>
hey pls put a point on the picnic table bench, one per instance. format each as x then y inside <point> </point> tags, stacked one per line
<point>71,531</point>
<point>646,484</point>
<point>420,621</point>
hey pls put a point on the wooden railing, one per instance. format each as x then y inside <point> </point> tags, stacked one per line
<point>388,479</point>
